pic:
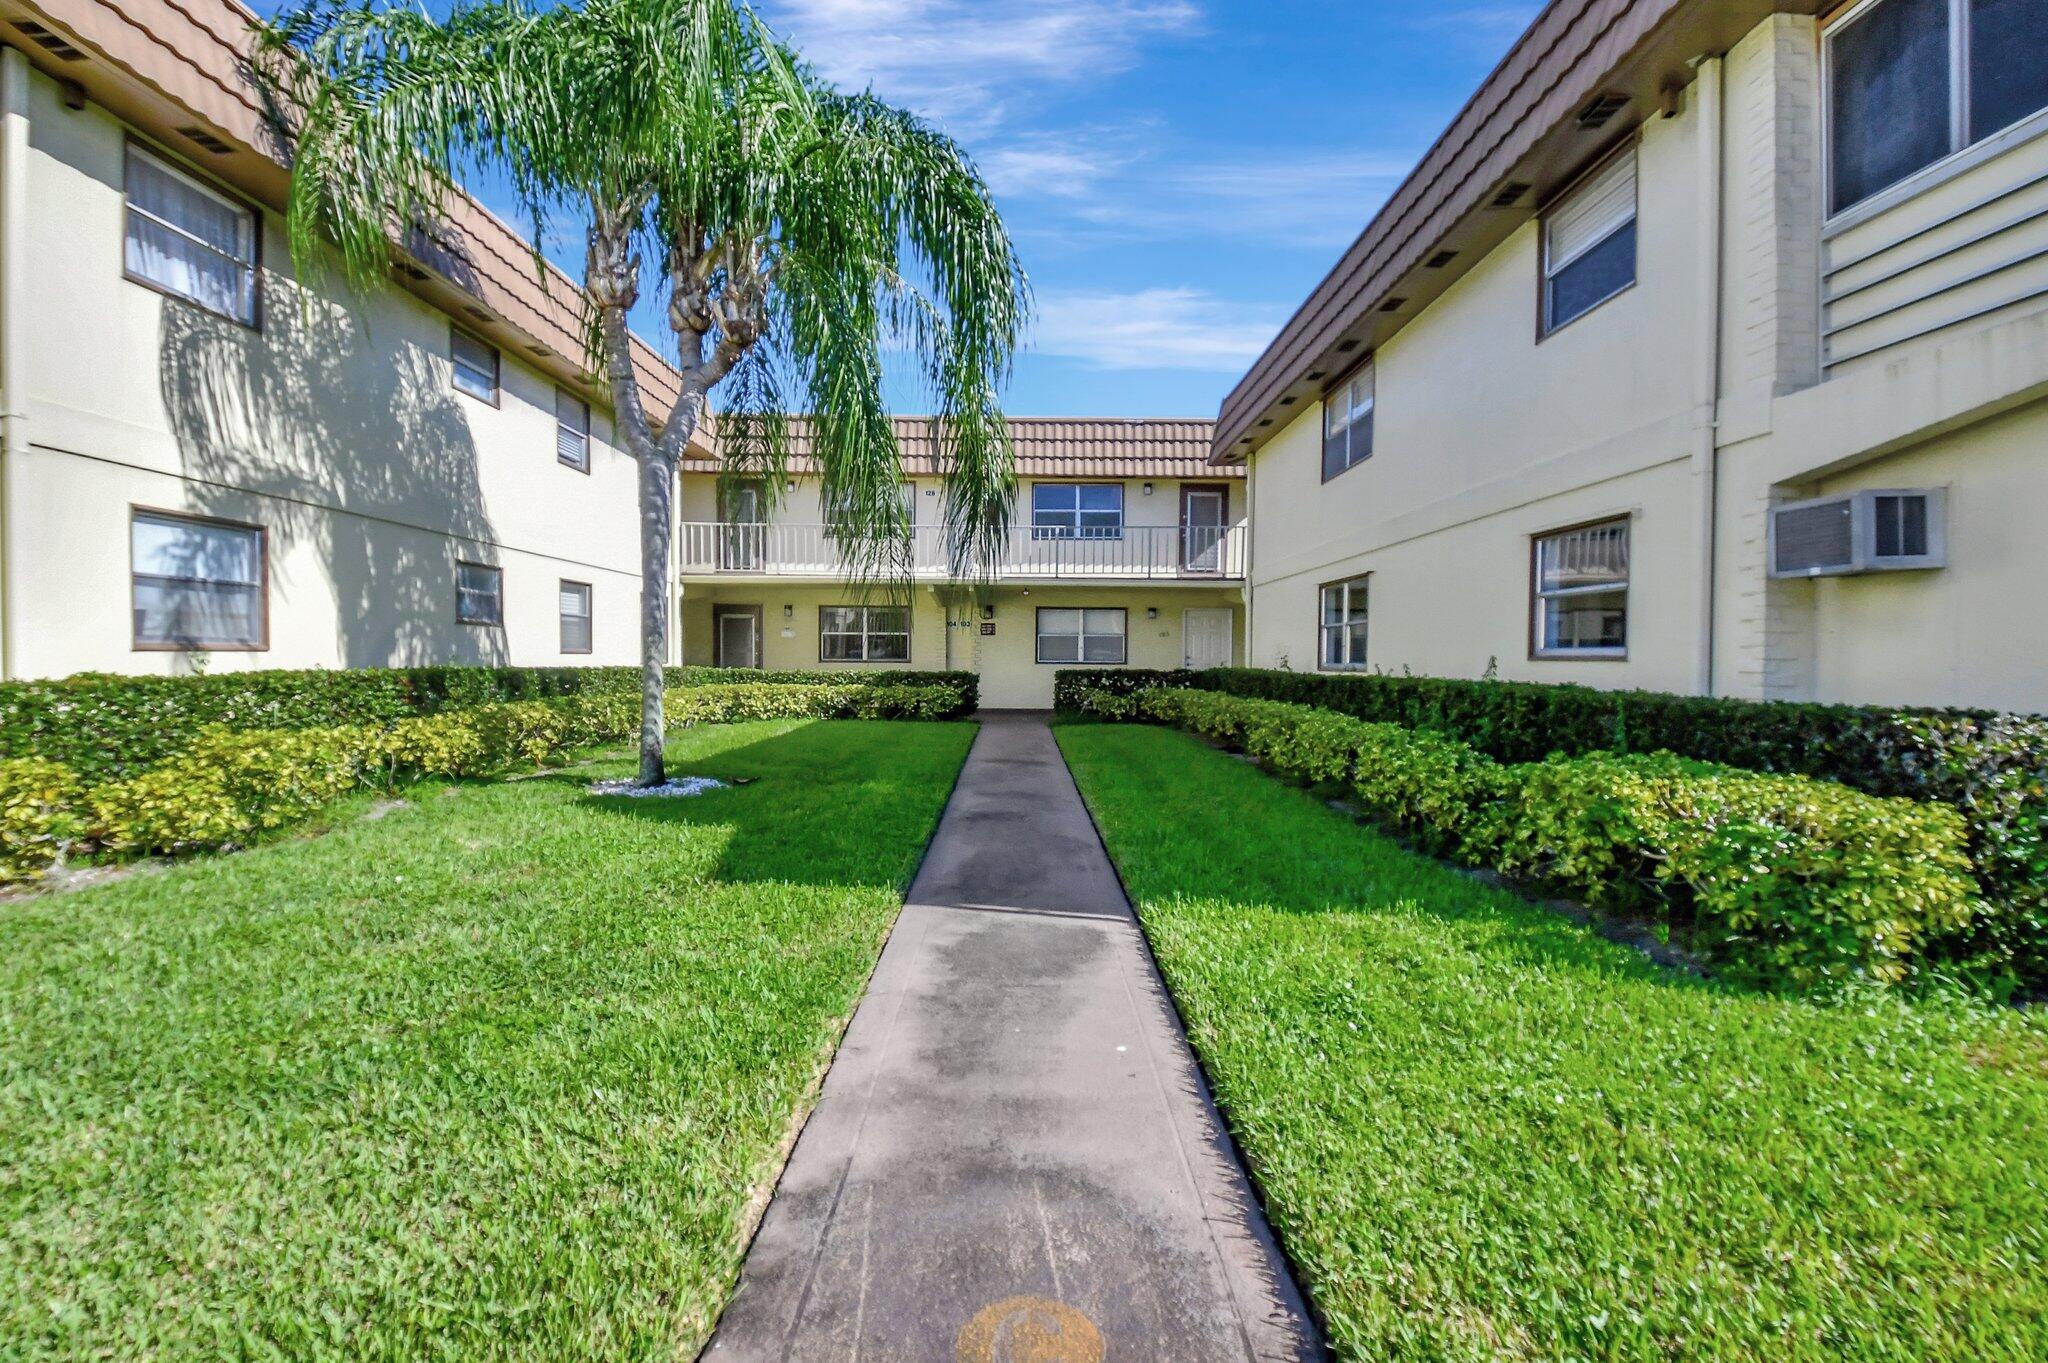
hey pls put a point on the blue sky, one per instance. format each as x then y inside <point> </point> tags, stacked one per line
<point>1177,173</point>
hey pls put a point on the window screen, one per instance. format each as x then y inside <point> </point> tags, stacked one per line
<point>1089,511</point>
<point>1347,423</point>
<point>1344,623</point>
<point>575,611</point>
<point>572,430</point>
<point>189,240</point>
<point>476,365</point>
<point>870,634</point>
<point>479,594</point>
<point>1581,590</point>
<point>196,584</point>
<point>1589,243</point>
<point>1080,635</point>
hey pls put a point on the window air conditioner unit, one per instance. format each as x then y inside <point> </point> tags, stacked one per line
<point>1878,530</point>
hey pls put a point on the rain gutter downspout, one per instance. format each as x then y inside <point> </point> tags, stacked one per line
<point>13,271</point>
<point>1707,394</point>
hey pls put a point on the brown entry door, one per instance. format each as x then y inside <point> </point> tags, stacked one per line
<point>1203,515</point>
<point>739,638</point>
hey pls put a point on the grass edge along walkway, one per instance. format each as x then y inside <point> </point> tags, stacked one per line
<point>493,1076</point>
<point>1481,1131</point>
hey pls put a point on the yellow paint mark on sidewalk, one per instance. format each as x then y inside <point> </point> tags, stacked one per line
<point>1029,1330</point>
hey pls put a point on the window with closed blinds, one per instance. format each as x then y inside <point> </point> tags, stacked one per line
<point>575,609</point>
<point>476,365</point>
<point>1589,243</point>
<point>196,583</point>
<point>189,240</point>
<point>572,431</point>
<point>1094,634</point>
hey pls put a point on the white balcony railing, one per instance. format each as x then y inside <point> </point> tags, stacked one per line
<point>1139,552</point>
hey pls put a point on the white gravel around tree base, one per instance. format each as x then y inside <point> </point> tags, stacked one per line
<point>681,786</point>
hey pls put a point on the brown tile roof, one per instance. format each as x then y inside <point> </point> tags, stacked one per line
<point>172,65</point>
<point>1058,447</point>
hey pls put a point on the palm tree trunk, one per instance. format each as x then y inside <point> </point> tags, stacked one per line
<point>657,521</point>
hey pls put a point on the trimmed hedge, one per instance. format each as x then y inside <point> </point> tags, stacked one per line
<point>1787,880</point>
<point>105,727</point>
<point>1991,768</point>
<point>226,786</point>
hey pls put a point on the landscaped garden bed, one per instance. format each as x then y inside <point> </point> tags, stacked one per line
<point>504,1072</point>
<point>1806,841</point>
<point>268,756</point>
<point>1483,1132</point>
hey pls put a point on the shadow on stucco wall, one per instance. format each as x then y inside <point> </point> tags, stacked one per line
<point>364,455</point>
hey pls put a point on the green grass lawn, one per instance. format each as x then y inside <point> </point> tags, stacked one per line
<point>1483,1132</point>
<point>495,1075</point>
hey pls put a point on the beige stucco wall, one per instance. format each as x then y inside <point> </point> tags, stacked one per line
<point>946,628</point>
<point>334,426</point>
<point>1485,436</point>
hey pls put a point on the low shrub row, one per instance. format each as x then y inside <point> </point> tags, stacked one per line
<point>1786,880</point>
<point>226,786</point>
<point>105,727</point>
<point>1991,768</point>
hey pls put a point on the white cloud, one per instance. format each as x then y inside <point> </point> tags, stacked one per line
<point>1167,328</point>
<point>964,61</point>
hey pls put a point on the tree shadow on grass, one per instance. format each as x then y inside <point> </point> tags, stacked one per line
<point>838,803</point>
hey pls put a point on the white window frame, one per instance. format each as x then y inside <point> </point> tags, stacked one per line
<point>1594,178</point>
<point>259,644</point>
<point>1053,530</point>
<point>456,366</point>
<point>865,631</point>
<point>572,431</point>
<point>1345,397</point>
<point>565,589</point>
<point>1341,631</point>
<point>1963,152</point>
<point>1081,658</point>
<point>463,615</point>
<point>1540,597</point>
<point>250,269</point>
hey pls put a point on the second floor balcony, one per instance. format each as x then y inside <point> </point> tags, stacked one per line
<point>1142,553</point>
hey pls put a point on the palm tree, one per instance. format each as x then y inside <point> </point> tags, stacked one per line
<point>798,232</point>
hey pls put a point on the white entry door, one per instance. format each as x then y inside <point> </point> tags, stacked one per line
<point>1205,637</point>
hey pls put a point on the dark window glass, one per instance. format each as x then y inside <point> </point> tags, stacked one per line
<point>1889,89</point>
<point>1596,276</point>
<point>2008,63</point>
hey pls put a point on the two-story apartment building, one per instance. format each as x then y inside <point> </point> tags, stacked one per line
<point>1706,351</point>
<point>209,461</point>
<point>1126,547</point>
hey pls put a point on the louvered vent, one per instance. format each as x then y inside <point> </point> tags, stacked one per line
<point>1393,305</point>
<point>410,270</point>
<point>1510,194</point>
<point>1814,538</point>
<point>1440,259</point>
<point>53,43</point>
<point>200,137</point>
<point>1600,109</point>
<point>1347,345</point>
<point>478,313</point>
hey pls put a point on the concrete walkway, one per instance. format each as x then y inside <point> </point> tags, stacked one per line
<point>1014,1157</point>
